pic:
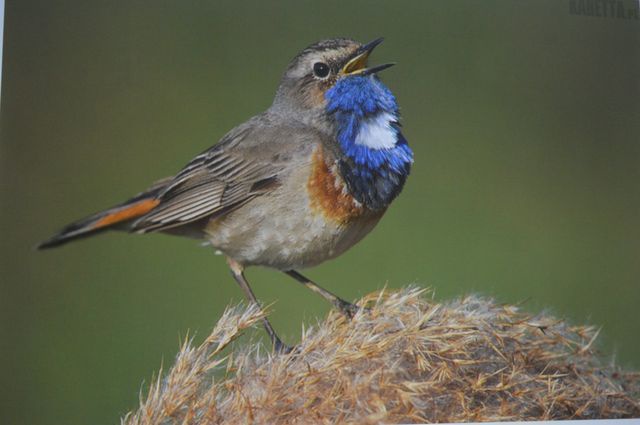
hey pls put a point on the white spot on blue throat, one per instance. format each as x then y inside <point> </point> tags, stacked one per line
<point>377,132</point>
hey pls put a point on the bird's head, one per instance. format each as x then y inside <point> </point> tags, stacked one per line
<point>313,73</point>
<point>331,87</point>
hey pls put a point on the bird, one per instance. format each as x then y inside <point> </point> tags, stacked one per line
<point>292,187</point>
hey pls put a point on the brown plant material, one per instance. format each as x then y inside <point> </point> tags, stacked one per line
<point>404,359</point>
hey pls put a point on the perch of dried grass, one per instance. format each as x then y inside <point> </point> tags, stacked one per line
<point>404,359</point>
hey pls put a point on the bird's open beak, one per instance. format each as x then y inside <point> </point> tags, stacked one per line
<point>357,64</point>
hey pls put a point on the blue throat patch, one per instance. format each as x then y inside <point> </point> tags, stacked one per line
<point>374,172</point>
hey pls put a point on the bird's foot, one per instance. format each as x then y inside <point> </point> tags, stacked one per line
<point>280,347</point>
<point>349,310</point>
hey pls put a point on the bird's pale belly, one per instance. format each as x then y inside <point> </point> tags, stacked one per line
<point>307,221</point>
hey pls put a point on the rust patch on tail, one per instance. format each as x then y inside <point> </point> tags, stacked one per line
<point>126,213</point>
<point>328,192</point>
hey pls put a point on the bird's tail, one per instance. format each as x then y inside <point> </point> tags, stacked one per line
<point>117,217</point>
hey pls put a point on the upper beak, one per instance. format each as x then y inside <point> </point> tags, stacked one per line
<point>357,64</point>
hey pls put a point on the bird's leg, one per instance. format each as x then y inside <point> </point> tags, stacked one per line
<point>345,307</point>
<point>237,271</point>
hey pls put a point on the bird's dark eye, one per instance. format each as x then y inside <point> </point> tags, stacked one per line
<point>321,69</point>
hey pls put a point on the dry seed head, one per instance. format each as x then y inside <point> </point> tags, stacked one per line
<point>405,359</point>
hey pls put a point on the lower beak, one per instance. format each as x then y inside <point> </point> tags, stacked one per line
<point>357,64</point>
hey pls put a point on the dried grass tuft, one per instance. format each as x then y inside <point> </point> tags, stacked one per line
<point>405,359</point>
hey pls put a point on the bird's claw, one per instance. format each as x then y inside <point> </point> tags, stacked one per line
<point>280,347</point>
<point>346,308</point>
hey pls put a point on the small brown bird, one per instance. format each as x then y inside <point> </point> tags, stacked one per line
<point>292,187</point>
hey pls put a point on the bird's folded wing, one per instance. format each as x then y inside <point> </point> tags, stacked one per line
<point>215,182</point>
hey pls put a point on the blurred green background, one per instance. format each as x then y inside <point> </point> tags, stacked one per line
<point>524,119</point>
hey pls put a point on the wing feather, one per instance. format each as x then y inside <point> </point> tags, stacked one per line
<point>214,182</point>
<point>184,204</point>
